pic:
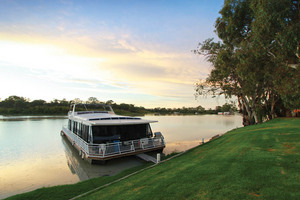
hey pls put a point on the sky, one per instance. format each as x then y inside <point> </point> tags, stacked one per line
<point>129,51</point>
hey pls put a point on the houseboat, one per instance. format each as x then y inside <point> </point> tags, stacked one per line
<point>100,134</point>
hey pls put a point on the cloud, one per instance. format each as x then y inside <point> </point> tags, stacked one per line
<point>124,45</point>
<point>110,63</point>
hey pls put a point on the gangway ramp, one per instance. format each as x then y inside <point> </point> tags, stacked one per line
<point>146,157</point>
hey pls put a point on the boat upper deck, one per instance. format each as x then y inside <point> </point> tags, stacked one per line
<point>105,118</point>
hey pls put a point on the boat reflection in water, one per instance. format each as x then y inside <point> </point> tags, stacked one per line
<point>84,170</point>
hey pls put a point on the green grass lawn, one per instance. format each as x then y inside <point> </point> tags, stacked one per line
<point>62,192</point>
<point>254,162</point>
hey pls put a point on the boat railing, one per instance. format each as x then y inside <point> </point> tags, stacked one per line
<point>116,148</point>
<point>76,139</point>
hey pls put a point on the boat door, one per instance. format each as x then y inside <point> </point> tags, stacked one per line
<point>117,145</point>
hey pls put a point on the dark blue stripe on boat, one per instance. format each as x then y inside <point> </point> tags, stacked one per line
<point>115,118</point>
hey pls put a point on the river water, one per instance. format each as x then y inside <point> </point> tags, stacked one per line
<point>34,155</point>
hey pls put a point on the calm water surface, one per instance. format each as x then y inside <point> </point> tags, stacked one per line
<point>34,155</point>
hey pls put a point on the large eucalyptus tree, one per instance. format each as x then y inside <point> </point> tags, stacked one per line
<point>259,42</point>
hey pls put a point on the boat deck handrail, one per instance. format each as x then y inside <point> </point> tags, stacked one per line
<point>90,108</point>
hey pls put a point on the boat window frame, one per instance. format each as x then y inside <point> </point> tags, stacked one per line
<point>70,124</point>
<point>127,135</point>
<point>80,129</point>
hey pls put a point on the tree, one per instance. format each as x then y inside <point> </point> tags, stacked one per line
<point>15,102</point>
<point>288,85</point>
<point>276,33</point>
<point>200,109</point>
<point>109,102</point>
<point>39,102</point>
<point>259,39</point>
<point>218,109</point>
<point>64,102</point>
<point>229,77</point>
<point>228,107</point>
<point>77,101</point>
<point>93,100</point>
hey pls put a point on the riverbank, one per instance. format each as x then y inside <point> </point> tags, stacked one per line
<point>31,117</point>
<point>260,161</point>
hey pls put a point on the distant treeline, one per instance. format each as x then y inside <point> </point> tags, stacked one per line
<point>194,110</point>
<point>15,105</point>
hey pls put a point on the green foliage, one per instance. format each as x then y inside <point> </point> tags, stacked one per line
<point>182,111</point>
<point>228,108</point>
<point>260,41</point>
<point>288,86</point>
<point>15,105</point>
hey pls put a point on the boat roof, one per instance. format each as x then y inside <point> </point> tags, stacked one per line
<point>106,118</point>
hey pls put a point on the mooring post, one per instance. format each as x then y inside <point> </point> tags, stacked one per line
<point>158,158</point>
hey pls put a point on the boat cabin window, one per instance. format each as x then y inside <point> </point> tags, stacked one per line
<point>103,134</point>
<point>79,129</point>
<point>69,124</point>
<point>85,132</point>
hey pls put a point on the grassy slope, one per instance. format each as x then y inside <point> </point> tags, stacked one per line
<point>257,162</point>
<point>69,191</point>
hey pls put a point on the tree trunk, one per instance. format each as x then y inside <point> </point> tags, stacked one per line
<point>248,115</point>
<point>273,106</point>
